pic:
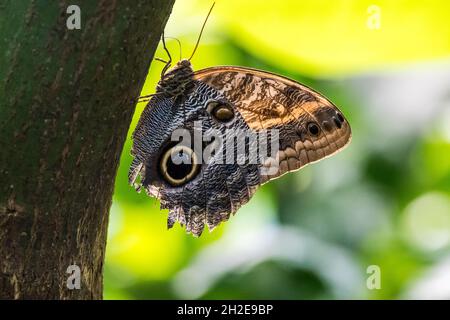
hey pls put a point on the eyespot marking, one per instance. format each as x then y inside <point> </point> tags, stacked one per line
<point>313,129</point>
<point>337,122</point>
<point>220,111</point>
<point>178,165</point>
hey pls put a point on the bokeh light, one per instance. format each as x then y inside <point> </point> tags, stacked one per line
<point>384,200</point>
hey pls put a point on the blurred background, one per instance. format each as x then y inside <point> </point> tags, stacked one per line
<point>382,204</point>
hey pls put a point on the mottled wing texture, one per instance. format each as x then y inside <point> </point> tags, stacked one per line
<point>309,128</point>
<point>269,101</point>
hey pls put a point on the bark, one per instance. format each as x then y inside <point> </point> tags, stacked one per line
<point>66,103</point>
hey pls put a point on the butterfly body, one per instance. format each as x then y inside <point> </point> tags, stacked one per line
<point>219,103</point>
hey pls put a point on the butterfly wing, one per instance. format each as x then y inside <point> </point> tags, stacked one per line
<point>310,126</point>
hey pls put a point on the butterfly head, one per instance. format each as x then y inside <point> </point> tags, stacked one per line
<point>178,80</point>
<point>183,66</point>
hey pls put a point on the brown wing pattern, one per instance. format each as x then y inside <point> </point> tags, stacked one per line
<point>268,101</point>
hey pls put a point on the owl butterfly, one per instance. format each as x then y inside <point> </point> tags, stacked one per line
<point>201,190</point>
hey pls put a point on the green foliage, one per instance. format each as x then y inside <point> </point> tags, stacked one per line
<point>383,201</point>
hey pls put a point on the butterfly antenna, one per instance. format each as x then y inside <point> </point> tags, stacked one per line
<point>201,31</point>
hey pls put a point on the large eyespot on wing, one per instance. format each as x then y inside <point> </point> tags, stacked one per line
<point>310,126</point>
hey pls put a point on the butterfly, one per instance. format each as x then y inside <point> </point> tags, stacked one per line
<point>307,127</point>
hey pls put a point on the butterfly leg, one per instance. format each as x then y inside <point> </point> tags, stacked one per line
<point>168,63</point>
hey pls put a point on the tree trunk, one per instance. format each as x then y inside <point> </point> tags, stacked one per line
<point>66,103</point>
